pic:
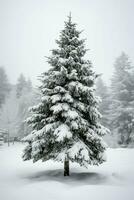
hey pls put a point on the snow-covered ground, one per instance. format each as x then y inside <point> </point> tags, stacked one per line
<point>113,180</point>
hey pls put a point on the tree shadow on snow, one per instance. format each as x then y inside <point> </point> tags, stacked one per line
<point>77,178</point>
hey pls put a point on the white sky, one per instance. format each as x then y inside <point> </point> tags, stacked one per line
<point>28,29</point>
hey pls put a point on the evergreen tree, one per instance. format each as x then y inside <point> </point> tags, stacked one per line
<point>65,123</point>
<point>104,107</point>
<point>9,112</point>
<point>15,111</point>
<point>21,85</point>
<point>29,85</point>
<point>1,139</point>
<point>4,86</point>
<point>27,99</point>
<point>122,112</point>
<point>103,92</point>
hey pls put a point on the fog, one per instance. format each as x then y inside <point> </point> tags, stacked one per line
<point>29,29</point>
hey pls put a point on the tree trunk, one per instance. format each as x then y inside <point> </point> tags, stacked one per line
<point>66,167</point>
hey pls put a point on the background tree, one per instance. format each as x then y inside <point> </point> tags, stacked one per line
<point>21,85</point>
<point>28,98</point>
<point>122,110</point>
<point>65,123</point>
<point>15,110</point>
<point>102,90</point>
<point>9,112</point>
<point>1,139</point>
<point>4,86</point>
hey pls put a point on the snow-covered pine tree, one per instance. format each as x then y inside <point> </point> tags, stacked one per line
<point>122,107</point>
<point>65,123</point>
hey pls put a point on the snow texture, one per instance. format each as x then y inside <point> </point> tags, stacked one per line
<point>62,131</point>
<point>113,180</point>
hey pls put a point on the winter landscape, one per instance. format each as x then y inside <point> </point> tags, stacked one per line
<point>67,123</point>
